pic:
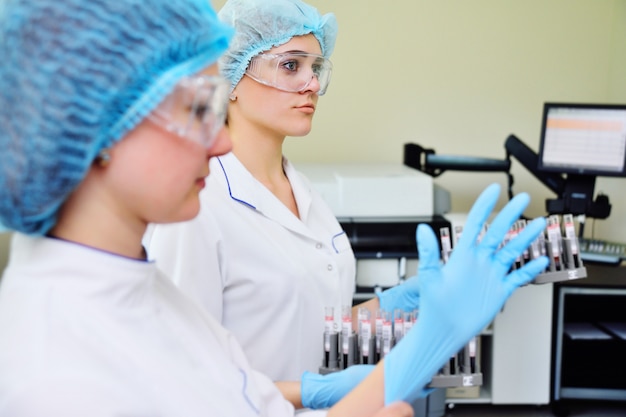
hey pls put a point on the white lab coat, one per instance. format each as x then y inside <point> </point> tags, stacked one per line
<point>88,333</point>
<point>263,272</point>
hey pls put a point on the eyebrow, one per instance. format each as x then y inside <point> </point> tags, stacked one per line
<point>296,51</point>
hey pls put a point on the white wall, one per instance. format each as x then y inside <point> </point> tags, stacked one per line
<point>459,77</point>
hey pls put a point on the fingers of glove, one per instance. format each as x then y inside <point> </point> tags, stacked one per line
<point>478,215</point>
<point>526,273</point>
<point>404,296</point>
<point>515,247</point>
<point>412,286</point>
<point>315,390</point>
<point>412,281</point>
<point>390,298</point>
<point>427,247</point>
<point>322,391</point>
<point>503,222</point>
<point>342,382</point>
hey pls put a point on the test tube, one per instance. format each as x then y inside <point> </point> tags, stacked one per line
<point>398,325</point>
<point>387,334</point>
<point>330,357</point>
<point>521,225</point>
<point>453,363</point>
<point>554,238</point>
<point>535,247</point>
<point>365,334</point>
<point>511,234</point>
<point>346,332</point>
<point>542,244</point>
<point>472,355</point>
<point>570,233</point>
<point>378,325</point>
<point>446,244</point>
<point>408,321</point>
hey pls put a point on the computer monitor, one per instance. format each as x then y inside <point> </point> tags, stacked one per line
<point>583,139</point>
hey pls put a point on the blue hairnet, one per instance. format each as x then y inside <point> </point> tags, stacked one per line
<point>261,25</point>
<point>75,77</point>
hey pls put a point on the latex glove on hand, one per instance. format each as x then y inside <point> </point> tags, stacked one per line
<point>405,296</point>
<point>323,391</point>
<point>460,298</point>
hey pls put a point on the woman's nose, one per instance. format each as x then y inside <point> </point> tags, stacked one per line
<point>313,85</point>
<point>222,144</point>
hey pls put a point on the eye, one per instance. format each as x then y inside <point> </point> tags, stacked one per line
<point>290,65</point>
<point>200,111</point>
<point>317,69</point>
<point>196,111</point>
<point>199,105</point>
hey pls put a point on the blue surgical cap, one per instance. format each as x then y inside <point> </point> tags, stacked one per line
<point>75,77</point>
<point>261,25</point>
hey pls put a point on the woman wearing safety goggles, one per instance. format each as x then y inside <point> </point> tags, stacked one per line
<point>297,258</point>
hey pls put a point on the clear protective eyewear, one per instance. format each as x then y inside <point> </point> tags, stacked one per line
<point>291,72</point>
<point>196,109</point>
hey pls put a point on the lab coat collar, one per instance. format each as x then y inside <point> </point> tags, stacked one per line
<point>246,189</point>
<point>110,277</point>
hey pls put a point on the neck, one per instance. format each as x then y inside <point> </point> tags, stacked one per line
<point>262,155</point>
<point>88,218</point>
<point>263,158</point>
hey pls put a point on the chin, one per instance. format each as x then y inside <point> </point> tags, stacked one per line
<point>297,128</point>
<point>192,214</point>
<point>300,132</point>
<point>187,213</point>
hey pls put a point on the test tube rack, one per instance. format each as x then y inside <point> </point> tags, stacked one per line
<point>566,266</point>
<point>462,370</point>
<point>561,248</point>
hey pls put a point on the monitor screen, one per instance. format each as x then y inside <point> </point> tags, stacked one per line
<point>586,139</point>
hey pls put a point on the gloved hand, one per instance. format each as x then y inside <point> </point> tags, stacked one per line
<point>405,296</point>
<point>460,298</point>
<point>323,391</point>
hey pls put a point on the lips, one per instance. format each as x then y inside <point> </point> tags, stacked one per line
<point>307,108</point>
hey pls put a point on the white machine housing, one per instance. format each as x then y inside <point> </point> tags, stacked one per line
<point>379,206</point>
<point>377,190</point>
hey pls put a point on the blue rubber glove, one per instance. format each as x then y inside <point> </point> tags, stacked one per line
<point>405,296</point>
<point>462,297</point>
<point>323,391</point>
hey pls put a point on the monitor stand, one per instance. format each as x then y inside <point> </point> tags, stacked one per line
<point>577,198</point>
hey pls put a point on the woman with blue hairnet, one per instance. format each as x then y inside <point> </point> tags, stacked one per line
<point>109,113</point>
<point>266,255</point>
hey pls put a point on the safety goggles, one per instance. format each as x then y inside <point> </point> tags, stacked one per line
<point>196,109</point>
<point>291,72</point>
